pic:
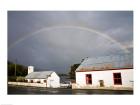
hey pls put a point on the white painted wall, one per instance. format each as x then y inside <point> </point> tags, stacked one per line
<point>107,76</point>
<point>42,81</point>
<point>53,80</point>
<point>28,84</point>
<point>35,80</point>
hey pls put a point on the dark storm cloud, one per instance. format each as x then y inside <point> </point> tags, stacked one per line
<point>58,48</point>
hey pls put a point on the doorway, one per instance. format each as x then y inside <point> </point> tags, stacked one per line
<point>101,83</point>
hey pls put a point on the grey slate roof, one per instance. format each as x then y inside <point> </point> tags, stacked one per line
<point>39,75</point>
<point>107,62</point>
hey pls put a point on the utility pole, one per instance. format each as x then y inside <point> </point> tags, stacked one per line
<point>15,67</point>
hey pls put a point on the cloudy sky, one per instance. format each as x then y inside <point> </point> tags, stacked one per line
<point>55,40</point>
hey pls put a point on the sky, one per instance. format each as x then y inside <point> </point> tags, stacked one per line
<point>55,40</point>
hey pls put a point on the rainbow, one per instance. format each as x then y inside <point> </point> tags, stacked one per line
<point>72,27</point>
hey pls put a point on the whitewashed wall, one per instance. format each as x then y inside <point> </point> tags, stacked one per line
<point>53,80</point>
<point>35,80</point>
<point>107,76</point>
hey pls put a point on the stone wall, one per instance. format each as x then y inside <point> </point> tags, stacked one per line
<point>28,84</point>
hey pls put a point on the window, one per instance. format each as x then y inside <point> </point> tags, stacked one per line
<point>31,81</point>
<point>38,81</point>
<point>117,78</point>
<point>88,79</point>
<point>44,81</point>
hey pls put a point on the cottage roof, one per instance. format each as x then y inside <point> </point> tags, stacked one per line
<point>107,62</point>
<point>39,75</point>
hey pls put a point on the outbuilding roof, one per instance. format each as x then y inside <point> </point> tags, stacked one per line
<point>39,75</point>
<point>107,62</point>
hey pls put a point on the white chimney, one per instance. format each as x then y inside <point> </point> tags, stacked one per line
<point>30,69</point>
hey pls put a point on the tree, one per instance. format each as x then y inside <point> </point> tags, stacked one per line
<point>72,70</point>
<point>20,69</point>
<point>11,69</point>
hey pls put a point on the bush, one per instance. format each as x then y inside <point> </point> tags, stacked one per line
<point>20,79</point>
<point>16,79</point>
<point>12,78</point>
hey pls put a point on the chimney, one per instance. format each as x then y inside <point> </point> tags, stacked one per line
<point>30,69</point>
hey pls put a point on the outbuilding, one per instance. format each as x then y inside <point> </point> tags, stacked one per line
<point>50,78</point>
<point>107,72</point>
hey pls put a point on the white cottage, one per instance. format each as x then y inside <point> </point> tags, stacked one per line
<point>111,72</point>
<point>49,78</point>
